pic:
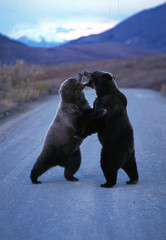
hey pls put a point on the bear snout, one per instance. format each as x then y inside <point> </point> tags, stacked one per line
<point>79,77</point>
<point>87,74</point>
<point>89,82</point>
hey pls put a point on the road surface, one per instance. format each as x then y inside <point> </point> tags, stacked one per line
<point>62,210</point>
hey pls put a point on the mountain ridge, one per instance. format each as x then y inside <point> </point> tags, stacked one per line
<point>142,29</point>
<point>123,41</point>
<point>10,53</point>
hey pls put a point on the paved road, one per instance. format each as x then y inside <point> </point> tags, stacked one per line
<point>60,210</point>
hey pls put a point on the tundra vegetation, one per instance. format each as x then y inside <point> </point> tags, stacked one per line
<point>19,83</point>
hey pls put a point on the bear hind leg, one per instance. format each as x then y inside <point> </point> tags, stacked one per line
<point>109,170</point>
<point>72,165</point>
<point>110,176</point>
<point>44,162</point>
<point>131,170</point>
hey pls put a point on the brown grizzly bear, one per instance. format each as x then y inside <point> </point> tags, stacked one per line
<point>60,146</point>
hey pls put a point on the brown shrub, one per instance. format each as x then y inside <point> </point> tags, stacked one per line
<point>18,83</point>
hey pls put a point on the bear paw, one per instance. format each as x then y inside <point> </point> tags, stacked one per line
<point>107,185</point>
<point>132,182</point>
<point>36,182</point>
<point>72,179</point>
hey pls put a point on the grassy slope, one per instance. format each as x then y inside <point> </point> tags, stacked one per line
<point>140,72</point>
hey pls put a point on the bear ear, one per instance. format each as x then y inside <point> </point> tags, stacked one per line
<point>109,76</point>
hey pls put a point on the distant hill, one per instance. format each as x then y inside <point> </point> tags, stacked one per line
<point>40,44</point>
<point>10,51</point>
<point>145,29</point>
<point>6,42</point>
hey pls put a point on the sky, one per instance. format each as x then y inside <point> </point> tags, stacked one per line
<point>61,20</point>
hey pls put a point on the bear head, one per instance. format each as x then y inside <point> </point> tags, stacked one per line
<point>101,81</point>
<point>71,89</point>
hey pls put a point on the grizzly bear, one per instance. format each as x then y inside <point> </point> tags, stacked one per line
<point>61,147</point>
<point>115,132</point>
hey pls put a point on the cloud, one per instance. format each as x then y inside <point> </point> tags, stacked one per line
<point>64,30</point>
<point>36,32</point>
<point>56,20</point>
<point>83,28</point>
<point>52,31</point>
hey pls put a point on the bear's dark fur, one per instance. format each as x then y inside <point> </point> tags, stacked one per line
<point>115,132</point>
<point>60,146</point>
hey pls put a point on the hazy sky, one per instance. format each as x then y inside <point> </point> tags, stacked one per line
<point>58,20</point>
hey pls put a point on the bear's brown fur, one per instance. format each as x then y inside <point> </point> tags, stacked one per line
<point>60,146</point>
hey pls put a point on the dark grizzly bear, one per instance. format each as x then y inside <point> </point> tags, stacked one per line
<point>60,146</point>
<point>115,132</point>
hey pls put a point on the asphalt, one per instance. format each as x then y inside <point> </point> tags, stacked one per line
<point>60,210</point>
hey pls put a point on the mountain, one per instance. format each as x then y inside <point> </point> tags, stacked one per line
<point>145,29</point>
<point>5,41</point>
<point>11,50</point>
<point>41,44</point>
<point>140,35</point>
